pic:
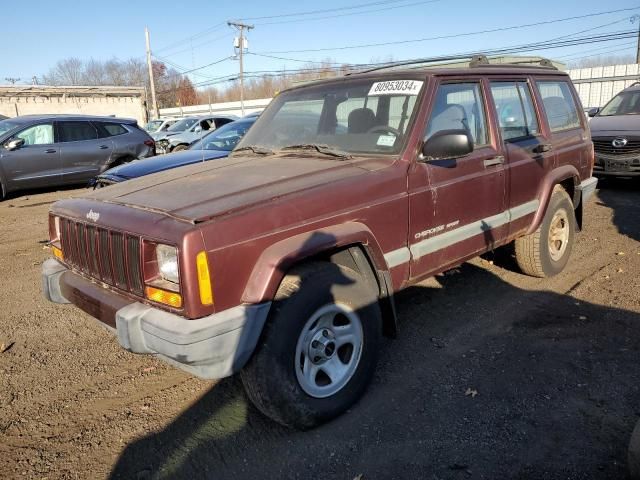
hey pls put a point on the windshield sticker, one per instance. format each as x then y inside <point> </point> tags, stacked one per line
<point>386,140</point>
<point>396,87</point>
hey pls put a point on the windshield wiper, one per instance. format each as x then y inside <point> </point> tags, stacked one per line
<point>257,149</point>
<point>324,149</point>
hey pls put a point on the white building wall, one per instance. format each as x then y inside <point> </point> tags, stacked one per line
<point>15,101</point>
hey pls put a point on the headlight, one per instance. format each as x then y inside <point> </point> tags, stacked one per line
<point>167,258</point>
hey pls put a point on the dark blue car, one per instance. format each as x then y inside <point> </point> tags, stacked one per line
<point>218,144</point>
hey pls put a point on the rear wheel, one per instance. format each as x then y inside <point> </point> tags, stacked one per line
<point>319,348</point>
<point>546,251</point>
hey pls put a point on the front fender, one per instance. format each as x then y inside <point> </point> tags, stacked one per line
<point>553,178</point>
<point>277,259</point>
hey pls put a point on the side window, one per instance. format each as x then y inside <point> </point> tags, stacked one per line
<point>110,129</point>
<point>221,121</point>
<point>37,135</point>
<point>76,131</point>
<point>459,106</point>
<point>516,114</point>
<point>559,105</point>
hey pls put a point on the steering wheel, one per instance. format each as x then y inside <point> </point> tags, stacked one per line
<point>385,129</point>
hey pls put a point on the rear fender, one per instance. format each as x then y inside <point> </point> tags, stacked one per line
<point>553,178</point>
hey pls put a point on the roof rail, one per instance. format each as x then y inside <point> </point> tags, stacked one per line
<point>475,61</point>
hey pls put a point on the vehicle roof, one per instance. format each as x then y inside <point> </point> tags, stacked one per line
<point>425,72</point>
<point>39,117</point>
<point>232,117</point>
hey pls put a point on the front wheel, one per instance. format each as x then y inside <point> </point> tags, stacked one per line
<point>546,251</point>
<point>319,348</point>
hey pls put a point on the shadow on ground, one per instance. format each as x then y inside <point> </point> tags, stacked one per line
<point>623,196</point>
<point>485,380</point>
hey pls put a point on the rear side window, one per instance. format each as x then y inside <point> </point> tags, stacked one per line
<point>222,121</point>
<point>76,131</point>
<point>559,105</point>
<point>459,106</point>
<point>516,114</point>
<point>110,129</point>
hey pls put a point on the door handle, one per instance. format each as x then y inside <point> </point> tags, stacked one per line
<point>493,161</point>
<point>50,150</point>
<point>103,147</point>
<point>543,147</point>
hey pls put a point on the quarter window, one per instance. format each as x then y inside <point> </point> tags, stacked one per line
<point>110,129</point>
<point>559,105</point>
<point>516,114</point>
<point>459,106</point>
<point>37,135</point>
<point>76,131</point>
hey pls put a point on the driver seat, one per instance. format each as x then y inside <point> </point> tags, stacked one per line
<point>361,120</point>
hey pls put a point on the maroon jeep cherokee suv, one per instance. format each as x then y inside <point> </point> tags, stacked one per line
<point>281,261</point>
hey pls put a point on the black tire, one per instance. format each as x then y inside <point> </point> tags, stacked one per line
<point>534,254</point>
<point>634,454</point>
<point>270,377</point>
<point>179,148</point>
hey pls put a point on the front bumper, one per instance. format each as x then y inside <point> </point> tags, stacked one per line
<point>616,166</point>
<point>211,347</point>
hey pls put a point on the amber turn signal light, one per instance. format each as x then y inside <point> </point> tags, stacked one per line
<point>204,279</point>
<point>172,299</point>
<point>57,253</point>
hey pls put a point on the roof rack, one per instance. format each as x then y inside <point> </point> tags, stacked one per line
<point>475,61</point>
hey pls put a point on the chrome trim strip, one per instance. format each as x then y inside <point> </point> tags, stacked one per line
<point>433,244</point>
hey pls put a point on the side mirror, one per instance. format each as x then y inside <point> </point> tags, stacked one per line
<point>198,129</point>
<point>447,144</point>
<point>593,112</point>
<point>14,144</point>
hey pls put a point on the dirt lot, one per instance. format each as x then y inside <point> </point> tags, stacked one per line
<point>555,364</point>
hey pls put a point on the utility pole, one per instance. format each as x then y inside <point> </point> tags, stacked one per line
<point>12,80</point>
<point>151,81</point>
<point>241,27</point>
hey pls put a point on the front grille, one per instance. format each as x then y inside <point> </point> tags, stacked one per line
<point>106,255</point>
<point>605,146</point>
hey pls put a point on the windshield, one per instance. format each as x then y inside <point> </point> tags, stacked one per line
<point>224,138</point>
<point>359,116</point>
<point>182,125</point>
<point>153,125</point>
<point>6,125</point>
<point>625,103</point>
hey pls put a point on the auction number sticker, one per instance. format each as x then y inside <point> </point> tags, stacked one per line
<point>396,87</point>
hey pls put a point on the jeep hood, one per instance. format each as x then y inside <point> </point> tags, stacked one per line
<point>200,192</point>
<point>613,125</point>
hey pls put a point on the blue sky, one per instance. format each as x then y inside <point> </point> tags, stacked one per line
<point>55,30</point>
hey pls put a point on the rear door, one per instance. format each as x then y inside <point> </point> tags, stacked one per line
<point>36,163</point>
<point>528,148</point>
<point>81,151</point>
<point>457,206</point>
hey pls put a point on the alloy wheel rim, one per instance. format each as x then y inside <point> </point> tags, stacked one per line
<point>328,350</point>
<point>558,234</point>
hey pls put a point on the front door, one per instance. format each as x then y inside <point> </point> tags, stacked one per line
<point>82,152</point>
<point>36,163</point>
<point>457,205</point>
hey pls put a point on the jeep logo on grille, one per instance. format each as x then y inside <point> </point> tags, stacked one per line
<point>93,216</point>
<point>619,142</point>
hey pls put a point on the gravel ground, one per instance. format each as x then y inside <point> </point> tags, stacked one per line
<point>494,375</point>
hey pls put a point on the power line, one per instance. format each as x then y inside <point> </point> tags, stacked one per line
<point>457,35</point>
<point>314,12</point>
<point>191,37</point>
<point>349,14</point>
<point>194,47</point>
